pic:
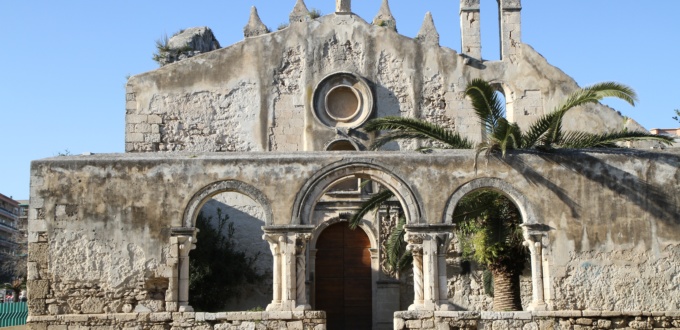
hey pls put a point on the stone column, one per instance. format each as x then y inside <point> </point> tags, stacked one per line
<point>343,6</point>
<point>442,249</point>
<point>301,271</point>
<point>429,246</point>
<point>470,31</point>
<point>511,32</point>
<point>185,245</point>
<point>289,271</point>
<point>533,239</point>
<point>415,245</point>
<point>275,247</point>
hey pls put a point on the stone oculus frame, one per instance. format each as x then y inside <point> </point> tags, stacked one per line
<point>342,100</point>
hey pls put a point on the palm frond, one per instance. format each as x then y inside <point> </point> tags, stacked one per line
<point>548,129</point>
<point>614,89</point>
<point>578,140</point>
<point>485,102</point>
<point>369,205</point>
<point>395,246</point>
<point>410,128</point>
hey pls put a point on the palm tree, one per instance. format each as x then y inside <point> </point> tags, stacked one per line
<point>488,225</point>
<point>488,218</point>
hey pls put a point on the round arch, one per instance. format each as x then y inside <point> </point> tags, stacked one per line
<point>364,225</point>
<point>205,193</point>
<point>522,203</point>
<point>319,183</point>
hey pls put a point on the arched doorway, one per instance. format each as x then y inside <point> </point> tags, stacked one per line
<point>343,277</point>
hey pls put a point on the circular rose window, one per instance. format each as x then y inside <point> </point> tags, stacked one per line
<point>342,99</point>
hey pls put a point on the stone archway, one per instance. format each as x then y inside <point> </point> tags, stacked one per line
<point>319,184</point>
<point>183,239</point>
<point>535,234</point>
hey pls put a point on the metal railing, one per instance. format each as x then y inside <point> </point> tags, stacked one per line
<point>13,314</point>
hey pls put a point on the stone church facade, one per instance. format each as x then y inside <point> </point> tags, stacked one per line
<point>271,127</point>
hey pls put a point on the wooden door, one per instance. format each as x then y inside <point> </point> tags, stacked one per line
<point>343,277</point>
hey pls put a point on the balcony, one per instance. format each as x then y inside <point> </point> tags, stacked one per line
<point>8,228</point>
<point>7,213</point>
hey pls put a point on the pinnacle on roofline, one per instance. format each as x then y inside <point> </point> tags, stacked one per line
<point>428,32</point>
<point>255,27</point>
<point>300,13</point>
<point>384,17</point>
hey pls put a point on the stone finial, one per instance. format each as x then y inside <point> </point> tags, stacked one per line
<point>384,17</point>
<point>343,6</point>
<point>300,13</point>
<point>428,32</point>
<point>255,27</point>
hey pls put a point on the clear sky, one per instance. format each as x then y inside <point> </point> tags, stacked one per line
<point>64,63</point>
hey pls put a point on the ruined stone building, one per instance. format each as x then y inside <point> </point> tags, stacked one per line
<point>270,129</point>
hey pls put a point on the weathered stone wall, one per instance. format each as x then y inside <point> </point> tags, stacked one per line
<point>566,319</point>
<point>236,99</point>
<point>314,320</point>
<point>105,244</point>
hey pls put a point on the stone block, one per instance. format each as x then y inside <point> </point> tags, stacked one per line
<point>38,289</point>
<point>154,119</point>
<point>135,119</point>
<point>74,318</point>
<point>604,324</point>
<point>135,137</point>
<point>57,327</point>
<point>160,317</point>
<point>414,324</point>
<point>295,325</point>
<point>37,252</point>
<point>315,314</point>
<point>399,324</point>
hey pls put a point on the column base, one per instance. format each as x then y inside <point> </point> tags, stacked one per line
<point>537,307</point>
<point>424,306</point>
<point>186,308</point>
<point>286,305</point>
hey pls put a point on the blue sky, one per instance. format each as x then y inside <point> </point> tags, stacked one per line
<point>64,63</point>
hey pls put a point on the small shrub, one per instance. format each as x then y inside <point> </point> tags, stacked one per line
<point>314,13</point>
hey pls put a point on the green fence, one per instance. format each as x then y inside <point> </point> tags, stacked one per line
<point>12,314</point>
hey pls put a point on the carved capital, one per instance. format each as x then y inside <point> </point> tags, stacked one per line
<point>301,240</point>
<point>186,244</point>
<point>274,241</point>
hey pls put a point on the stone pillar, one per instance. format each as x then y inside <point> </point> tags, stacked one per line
<point>185,245</point>
<point>510,25</point>
<point>274,246</point>
<point>289,271</point>
<point>470,29</point>
<point>301,241</point>
<point>343,6</point>
<point>172,271</point>
<point>429,246</point>
<point>533,239</point>
<point>415,246</point>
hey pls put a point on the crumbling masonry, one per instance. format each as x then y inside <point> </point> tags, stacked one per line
<point>110,236</point>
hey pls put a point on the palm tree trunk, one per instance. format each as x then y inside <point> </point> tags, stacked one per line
<point>506,294</point>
